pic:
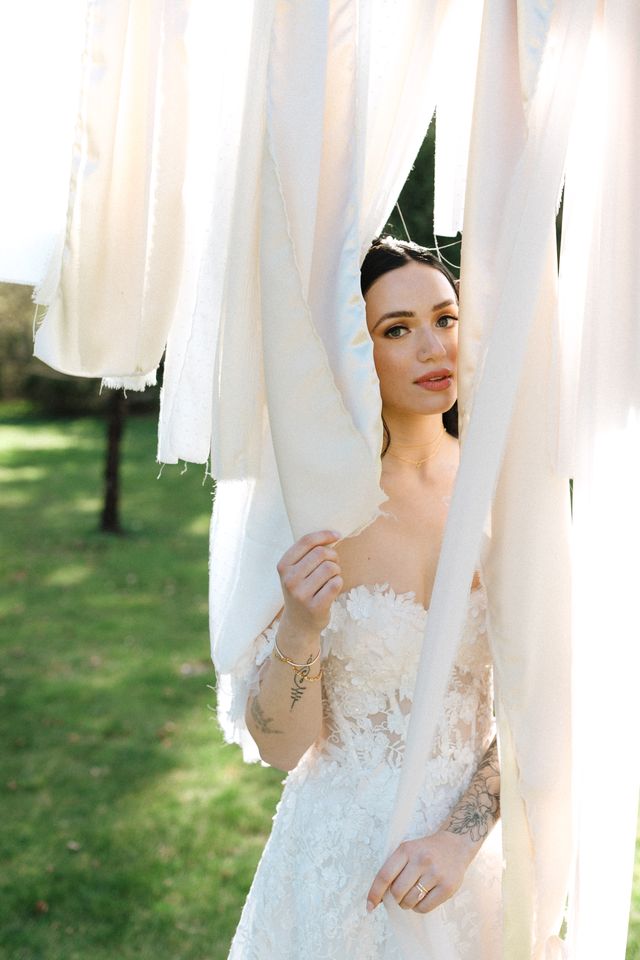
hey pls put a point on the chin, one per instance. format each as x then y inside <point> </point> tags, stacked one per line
<point>437,404</point>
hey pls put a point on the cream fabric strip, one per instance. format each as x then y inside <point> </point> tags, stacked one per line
<point>40,50</point>
<point>459,58</point>
<point>534,23</point>
<point>280,422</point>
<point>506,315</point>
<point>312,416</point>
<point>371,71</point>
<point>600,448</point>
<point>219,79</point>
<point>122,253</point>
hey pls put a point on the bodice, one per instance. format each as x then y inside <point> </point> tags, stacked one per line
<point>372,647</point>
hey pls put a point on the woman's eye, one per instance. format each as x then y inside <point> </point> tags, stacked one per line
<point>450,320</point>
<point>390,332</point>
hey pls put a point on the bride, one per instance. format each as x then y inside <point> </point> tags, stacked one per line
<point>333,679</point>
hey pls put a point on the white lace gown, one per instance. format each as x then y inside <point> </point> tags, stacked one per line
<point>308,897</point>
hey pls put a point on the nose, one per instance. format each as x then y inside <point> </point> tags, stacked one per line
<point>431,346</point>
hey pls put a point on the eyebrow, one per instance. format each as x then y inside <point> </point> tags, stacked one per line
<point>400,314</point>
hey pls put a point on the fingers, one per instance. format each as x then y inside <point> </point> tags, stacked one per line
<point>410,864</point>
<point>323,572</point>
<point>306,578</point>
<point>407,894</point>
<point>301,547</point>
<point>317,565</point>
<point>435,898</point>
<point>385,877</point>
<point>316,558</point>
<point>414,895</point>
<point>310,576</point>
<point>404,890</point>
<point>326,593</point>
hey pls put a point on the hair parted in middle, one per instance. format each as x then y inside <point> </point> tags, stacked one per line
<point>388,253</point>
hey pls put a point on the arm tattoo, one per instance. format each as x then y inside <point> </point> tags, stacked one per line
<point>479,808</point>
<point>298,687</point>
<point>262,723</point>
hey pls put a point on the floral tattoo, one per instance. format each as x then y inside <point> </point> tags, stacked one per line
<point>479,808</point>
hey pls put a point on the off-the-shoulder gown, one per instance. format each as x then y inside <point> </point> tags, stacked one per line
<point>308,897</point>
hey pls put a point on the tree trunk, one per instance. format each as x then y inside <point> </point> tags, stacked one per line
<point>110,521</point>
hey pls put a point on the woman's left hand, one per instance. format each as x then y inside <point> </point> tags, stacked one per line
<point>438,863</point>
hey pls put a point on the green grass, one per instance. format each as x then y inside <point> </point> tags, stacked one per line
<point>128,829</point>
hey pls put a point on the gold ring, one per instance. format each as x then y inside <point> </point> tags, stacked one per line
<point>422,889</point>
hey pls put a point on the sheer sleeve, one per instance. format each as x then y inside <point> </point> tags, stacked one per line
<point>234,689</point>
<point>469,723</point>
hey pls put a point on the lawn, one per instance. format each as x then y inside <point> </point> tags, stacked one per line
<point>128,829</point>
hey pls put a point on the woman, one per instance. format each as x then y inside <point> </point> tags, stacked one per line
<point>334,673</point>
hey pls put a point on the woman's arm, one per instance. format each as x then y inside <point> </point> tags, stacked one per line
<point>285,716</point>
<point>479,807</point>
<point>439,862</point>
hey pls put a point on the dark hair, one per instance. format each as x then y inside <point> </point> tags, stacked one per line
<point>385,254</point>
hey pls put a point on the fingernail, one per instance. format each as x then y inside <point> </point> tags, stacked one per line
<point>337,535</point>
<point>370,906</point>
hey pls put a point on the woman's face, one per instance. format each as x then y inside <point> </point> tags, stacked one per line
<point>412,316</point>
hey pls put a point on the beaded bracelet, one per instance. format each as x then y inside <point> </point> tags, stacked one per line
<point>299,668</point>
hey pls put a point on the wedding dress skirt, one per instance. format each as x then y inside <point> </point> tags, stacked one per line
<point>308,897</point>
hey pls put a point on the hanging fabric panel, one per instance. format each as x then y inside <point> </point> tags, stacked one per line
<point>349,109</point>
<point>220,206</point>
<point>455,108</point>
<point>600,448</point>
<point>40,61</point>
<point>276,470</point>
<point>220,83</point>
<point>507,308</point>
<point>125,198</point>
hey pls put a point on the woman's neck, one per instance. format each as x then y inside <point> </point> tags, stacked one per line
<point>413,436</point>
<point>419,451</point>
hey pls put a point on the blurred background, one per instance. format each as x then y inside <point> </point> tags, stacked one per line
<point>128,829</point>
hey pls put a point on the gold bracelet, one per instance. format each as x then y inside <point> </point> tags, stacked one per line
<point>303,674</point>
<point>311,679</point>
<point>297,666</point>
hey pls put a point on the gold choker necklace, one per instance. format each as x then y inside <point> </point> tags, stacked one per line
<point>418,463</point>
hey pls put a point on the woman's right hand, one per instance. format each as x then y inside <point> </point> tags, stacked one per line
<point>310,578</point>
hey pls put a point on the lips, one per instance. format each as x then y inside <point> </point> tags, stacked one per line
<point>434,375</point>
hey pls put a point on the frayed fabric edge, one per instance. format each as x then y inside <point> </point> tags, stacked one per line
<point>130,383</point>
